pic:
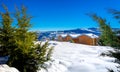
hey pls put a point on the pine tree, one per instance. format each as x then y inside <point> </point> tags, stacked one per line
<point>26,56</point>
<point>6,33</point>
<point>115,13</point>
<point>18,42</point>
<point>23,41</point>
<point>107,36</point>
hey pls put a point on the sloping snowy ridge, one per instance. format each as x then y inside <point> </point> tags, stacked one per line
<point>71,57</point>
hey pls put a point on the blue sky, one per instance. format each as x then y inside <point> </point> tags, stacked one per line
<point>65,14</point>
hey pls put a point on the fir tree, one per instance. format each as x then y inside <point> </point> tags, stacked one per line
<point>23,41</point>
<point>107,36</point>
<point>115,13</point>
<point>26,56</point>
<point>6,33</point>
<point>18,42</point>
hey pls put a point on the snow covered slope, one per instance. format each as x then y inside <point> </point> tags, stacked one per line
<point>70,57</point>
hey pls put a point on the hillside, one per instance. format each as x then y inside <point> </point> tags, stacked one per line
<point>70,57</point>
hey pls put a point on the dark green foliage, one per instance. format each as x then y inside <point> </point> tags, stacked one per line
<point>115,13</point>
<point>20,56</point>
<point>72,41</point>
<point>43,53</point>
<point>34,59</point>
<point>6,33</point>
<point>107,36</point>
<point>49,53</point>
<point>18,43</point>
<point>110,70</point>
<point>115,54</point>
<point>53,38</point>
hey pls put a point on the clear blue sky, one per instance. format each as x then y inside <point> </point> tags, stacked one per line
<point>65,14</point>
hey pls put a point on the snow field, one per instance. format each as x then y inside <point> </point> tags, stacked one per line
<point>71,57</point>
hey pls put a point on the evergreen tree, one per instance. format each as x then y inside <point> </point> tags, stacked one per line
<point>115,13</point>
<point>26,56</point>
<point>6,33</point>
<point>23,41</point>
<point>107,36</point>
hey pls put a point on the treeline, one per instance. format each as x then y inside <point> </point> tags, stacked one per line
<point>17,42</point>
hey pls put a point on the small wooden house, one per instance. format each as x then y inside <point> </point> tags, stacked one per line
<point>89,39</point>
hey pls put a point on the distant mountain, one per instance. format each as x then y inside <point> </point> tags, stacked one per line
<point>83,30</point>
<point>53,34</point>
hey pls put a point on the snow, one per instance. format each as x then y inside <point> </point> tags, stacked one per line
<point>71,57</point>
<point>76,35</point>
<point>92,35</point>
<point>87,29</point>
<point>63,35</point>
<point>72,35</point>
<point>6,68</point>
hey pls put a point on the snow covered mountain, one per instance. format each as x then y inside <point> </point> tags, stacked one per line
<point>53,34</point>
<point>84,30</point>
<point>70,57</point>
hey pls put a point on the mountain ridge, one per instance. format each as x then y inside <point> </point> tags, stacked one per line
<point>54,34</point>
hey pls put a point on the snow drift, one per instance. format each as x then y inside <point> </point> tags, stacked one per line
<point>6,68</point>
<point>70,57</point>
